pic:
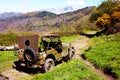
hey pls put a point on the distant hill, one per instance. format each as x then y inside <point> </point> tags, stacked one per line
<point>42,20</point>
<point>9,14</point>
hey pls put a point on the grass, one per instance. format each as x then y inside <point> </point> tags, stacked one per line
<point>6,59</point>
<point>72,70</point>
<point>89,31</point>
<point>69,38</point>
<point>105,54</point>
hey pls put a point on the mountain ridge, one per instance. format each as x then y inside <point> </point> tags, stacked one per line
<point>42,20</point>
<point>52,10</point>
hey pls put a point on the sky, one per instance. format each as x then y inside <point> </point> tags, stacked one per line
<point>38,5</point>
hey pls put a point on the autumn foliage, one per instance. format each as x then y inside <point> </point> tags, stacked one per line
<point>108,20</point>
<point>103,21</point>
<point>116,14</point>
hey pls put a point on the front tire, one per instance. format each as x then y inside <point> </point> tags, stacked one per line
<point>71,54</point>
<point>49,65</point>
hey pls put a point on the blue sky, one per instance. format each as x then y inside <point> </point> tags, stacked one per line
<point>37,5</point>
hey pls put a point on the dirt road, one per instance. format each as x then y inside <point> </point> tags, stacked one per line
<point>79,44</point>
<point>13,74</point>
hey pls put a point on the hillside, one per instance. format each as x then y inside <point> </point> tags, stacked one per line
<point>43,21</point>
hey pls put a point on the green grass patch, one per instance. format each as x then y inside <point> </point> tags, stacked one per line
<point>105,54</point>
<point>6,59</point>
<point>69,38</point>
<point>72,70</point>
<point>89,31</point>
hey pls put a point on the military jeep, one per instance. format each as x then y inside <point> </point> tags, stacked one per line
<point>43,52</point>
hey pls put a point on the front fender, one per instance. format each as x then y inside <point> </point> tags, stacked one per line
<point>42,57</point>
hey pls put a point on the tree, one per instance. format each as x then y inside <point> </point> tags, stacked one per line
<point>116,17</point>
<point>107,16</point>
<point>105,8</point>
<point>94,16</point>
<point>104,21</point>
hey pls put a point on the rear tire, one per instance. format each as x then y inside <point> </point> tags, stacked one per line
<point>49,64</point>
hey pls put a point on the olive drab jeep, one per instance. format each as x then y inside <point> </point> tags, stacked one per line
<point>43,52</point>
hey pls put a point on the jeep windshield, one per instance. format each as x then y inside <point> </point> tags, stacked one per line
<point>50,41</point>
<point>51,38</point>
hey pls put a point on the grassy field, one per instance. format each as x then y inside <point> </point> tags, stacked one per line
<point>72,70</point>
<point>69,38</point>
<point>6,59</point>
<point>105,54</point>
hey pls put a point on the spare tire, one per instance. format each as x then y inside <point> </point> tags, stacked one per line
<point>30,56</point>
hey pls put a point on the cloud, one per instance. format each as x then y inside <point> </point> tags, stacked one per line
<point>75,3</point>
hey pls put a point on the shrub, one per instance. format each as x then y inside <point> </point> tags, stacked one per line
<point>116,17</point>
<point>104,21</point>
<point>8,39</point>
<point>110,12</point>
<point>95,15</point>
<point>105,8</point>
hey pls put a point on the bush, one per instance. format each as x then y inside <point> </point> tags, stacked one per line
<point>95,15</point>
<point>8,39</point>
<point>107,16</point>
<point>65,29</point>
<point>116,17</point>
<point>104,21</point>
<point>105,8</point>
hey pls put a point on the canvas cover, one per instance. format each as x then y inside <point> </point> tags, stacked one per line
<point>28,42</point>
